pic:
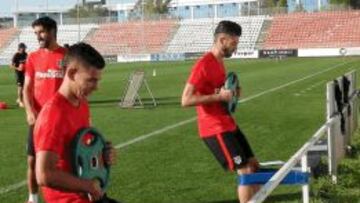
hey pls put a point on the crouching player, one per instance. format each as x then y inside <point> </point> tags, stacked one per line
<point>56,127</point>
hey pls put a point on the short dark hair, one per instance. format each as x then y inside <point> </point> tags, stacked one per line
<point>21,45</point>
<point>47,23</point>
<point>66,45</point>
<point>85,54</point>
<point>228,27</point>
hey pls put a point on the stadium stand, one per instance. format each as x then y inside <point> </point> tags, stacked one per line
<point>66,34</point>
<point>286,31</point>
<point>314,30</point>
<point>6,35</point>
<point>132,37</point>
<point>197,35</point>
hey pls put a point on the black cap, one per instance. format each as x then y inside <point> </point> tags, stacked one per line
<point>22,45</point>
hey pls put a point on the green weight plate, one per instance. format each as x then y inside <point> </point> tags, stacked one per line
<point>88,156</point>
<point>232,83</point>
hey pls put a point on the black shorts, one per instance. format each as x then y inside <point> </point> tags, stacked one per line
<point>20,78</point>
<point>231,149</point>
<point>30,149</point>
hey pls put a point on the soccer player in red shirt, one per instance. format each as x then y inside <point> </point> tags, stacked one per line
<point>57,124</point>
<point>204,89</point>
<point>43,76</point>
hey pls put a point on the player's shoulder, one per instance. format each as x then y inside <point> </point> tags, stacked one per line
<point>53,106</point>
<point>203,61</point>
<point>206,58</point>
<point>34,53</point>
<point>61,50</point>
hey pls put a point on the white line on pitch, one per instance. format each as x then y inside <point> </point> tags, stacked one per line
<point>290,83</point>
<point>184,122</point>
<point>12,187</point>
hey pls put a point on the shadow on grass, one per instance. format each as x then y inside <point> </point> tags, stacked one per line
<point>147,102</point>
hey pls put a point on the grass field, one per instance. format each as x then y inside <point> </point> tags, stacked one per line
<point>283,104</point>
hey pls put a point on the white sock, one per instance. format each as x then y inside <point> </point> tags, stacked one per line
<point>33,198</point>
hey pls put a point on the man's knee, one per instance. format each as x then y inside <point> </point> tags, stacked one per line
<point>246,169</point>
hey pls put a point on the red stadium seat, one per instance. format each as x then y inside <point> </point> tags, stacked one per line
<point>6,35</point>
<point>314,30</point>
<point>132,37</point>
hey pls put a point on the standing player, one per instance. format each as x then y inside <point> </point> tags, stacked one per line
<point>17,63</point>
<point>43,77</point>
<point>56,127</point>
<point>204,89</point>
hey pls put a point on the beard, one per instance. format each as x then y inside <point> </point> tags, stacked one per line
<point>44,43</point>
<point>228,52</point>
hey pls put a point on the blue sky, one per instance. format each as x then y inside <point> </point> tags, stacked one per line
<point>7,6</point>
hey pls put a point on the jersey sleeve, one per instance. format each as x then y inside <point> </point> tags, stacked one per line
<point>197,76</point>
<point>29,67</point>
<point>48,133</point>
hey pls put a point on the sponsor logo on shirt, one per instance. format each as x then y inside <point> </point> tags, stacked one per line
<point>51,73</point>
<point>61,63</point>
<point>237,160</point>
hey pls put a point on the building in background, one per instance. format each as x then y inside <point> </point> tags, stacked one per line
<point>307,5</point>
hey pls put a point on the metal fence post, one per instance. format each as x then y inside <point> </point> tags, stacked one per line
<point>305,187</point>
<point>331,132</point>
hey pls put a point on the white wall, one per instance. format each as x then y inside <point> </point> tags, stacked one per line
<point>327,52</point>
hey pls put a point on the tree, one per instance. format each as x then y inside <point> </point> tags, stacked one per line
<point>355,4</point>
<point>299,8</point>
<point>352,3</point>
<point>88,11</point>
<point>273,3</point>
<point>282,3</point>
<point>157,6</point>
<point>268,3</point>
<point>343,2</point>
<point>149,8</point>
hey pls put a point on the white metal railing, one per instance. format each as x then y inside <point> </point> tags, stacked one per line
<point>337,142</point>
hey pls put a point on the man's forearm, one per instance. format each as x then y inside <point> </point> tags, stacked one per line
<point>64,181</point>
<point>28,103</point>
<point>201,99</point>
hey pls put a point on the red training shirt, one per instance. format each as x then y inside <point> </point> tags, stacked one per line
<point>208,76</point>
<point>44,67</point>
<point>55,129</point>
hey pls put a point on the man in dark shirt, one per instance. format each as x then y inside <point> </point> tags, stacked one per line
<point>17,63</point>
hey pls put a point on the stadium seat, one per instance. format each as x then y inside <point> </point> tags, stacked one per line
<point>314,30</point>
<point>134,37</point>
<point>197,35</point>
<point>66,34</point>
<point>6,35</point>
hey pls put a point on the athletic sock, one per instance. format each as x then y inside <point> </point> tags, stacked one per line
<point>33,198</point>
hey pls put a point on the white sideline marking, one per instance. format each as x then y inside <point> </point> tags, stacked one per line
<point>181,123</point>
<point>12,187</point>
<point>292,82</point>
<point>143,137</point>
<point>309,88</point>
